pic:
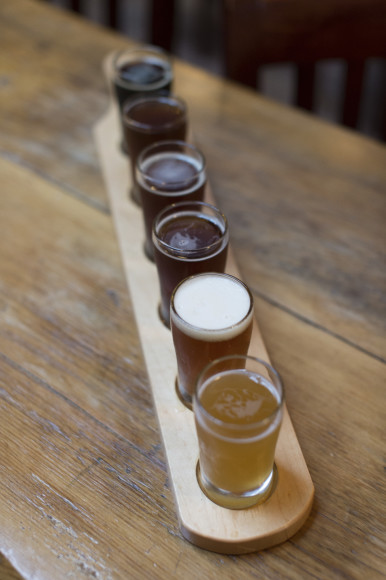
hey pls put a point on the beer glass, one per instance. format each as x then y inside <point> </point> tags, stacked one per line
<point>238,407</point>
<point>148,119</point>
<point>211,316</point>
<point>168,172</point>
<point>188,238</point>
<point>138,71</point>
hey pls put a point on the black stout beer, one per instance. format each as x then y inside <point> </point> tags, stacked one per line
<point>188,238</point>
<point>168,172</point>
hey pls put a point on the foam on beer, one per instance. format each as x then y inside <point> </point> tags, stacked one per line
<point>212,307</point>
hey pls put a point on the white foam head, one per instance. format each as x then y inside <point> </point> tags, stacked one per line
<point>212,307</point>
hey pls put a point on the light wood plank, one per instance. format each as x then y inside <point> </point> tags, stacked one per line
<point>201,521</point>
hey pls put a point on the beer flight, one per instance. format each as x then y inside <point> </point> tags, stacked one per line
<point>237,400</point>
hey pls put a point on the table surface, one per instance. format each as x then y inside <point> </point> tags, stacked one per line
<point>84,488</point>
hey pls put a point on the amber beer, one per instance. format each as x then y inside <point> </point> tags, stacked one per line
<point>211,316</point>
<point>238,413</point>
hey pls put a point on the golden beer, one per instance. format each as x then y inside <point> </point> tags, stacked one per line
<point>238,415</point>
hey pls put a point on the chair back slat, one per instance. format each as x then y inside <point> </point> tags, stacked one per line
<point>353,92</point>
<point>305,32</point>
<point>305,86</point>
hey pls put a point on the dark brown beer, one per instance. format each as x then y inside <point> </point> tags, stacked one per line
<point>168,172</point>
<point>187,241</point>
<point>150,119</point>
<point>136,77</point>
<point>141,71</point>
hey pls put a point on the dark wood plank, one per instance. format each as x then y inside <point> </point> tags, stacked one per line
<point>7,571</point>
<point>354,87</point>
<point>305,86</point>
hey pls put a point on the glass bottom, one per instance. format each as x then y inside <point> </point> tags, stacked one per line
<point>163,320</point>
<point>184,397</point>
<point>238,501</point>
<point>134,195</point>
<point>148,250</point>
<point>123,147</point>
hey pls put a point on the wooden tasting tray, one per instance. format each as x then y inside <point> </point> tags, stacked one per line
<point>202,522</point>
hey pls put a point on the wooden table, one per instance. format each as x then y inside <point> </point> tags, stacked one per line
<point>84,490</point>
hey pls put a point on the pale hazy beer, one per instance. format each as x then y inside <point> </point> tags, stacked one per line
<point>211,316</point>
<point>238,413</point>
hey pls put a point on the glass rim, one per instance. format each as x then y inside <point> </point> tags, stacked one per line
<point>147,50</point>
<point>133,101</point>
<point>235,426</point>
<point>171,250</point>
<point>212,331</point>
<point>154,182</point>
<point>135,49</point>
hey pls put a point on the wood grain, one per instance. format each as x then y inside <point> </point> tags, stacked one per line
<point>314,198</point>
<point>201,522</point>
<point>7,571</point>
<point>301,196</point>
<point>70,378</point>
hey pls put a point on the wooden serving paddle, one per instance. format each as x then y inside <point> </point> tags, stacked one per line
<point>202,522</point>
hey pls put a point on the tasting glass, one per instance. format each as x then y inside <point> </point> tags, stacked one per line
<point>175,258</point>
<point>139,71</point>
<point>148,119</point>
<point>211,316</point>
<point>168,172</point>
<point>237,432</point>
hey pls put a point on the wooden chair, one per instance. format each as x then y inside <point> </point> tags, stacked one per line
<point>261,32</point>
<point>257,33</point>
<point>110,10</point>
<point>162,15</point>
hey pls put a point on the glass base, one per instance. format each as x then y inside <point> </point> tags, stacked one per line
<point>236,501</point>
<point>184,397</point>
<point>123,147</point>
<point>163,320</point>
<point>148,251</point>
<point>134,195</point>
